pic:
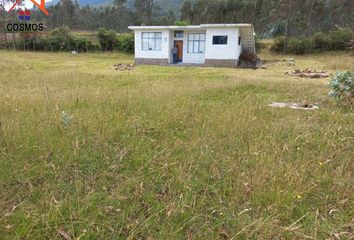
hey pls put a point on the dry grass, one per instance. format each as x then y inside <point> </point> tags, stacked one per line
<point>171,153</point>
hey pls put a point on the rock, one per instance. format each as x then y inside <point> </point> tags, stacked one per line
<point>305,105</point>
<point>308,73</point>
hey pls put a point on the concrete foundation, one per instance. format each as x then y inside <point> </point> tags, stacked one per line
<point>230,63</point>
<point>225,63</point>
<point>151,61</point>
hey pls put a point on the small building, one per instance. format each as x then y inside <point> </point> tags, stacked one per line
<point>211,45</point>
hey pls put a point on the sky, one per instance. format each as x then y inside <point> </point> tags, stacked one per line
<point>26,4</point>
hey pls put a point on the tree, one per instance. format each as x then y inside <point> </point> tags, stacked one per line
<point>187,11</point>
<point>67,10</point>
<point>144,10</point>
<point>4,3</point>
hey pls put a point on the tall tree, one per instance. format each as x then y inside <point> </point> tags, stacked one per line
<point>187,11</point>
<point>67,10</point>
<point>144,10</point>
<point>3,4</point>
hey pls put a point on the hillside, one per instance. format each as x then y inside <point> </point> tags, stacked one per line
<point>165,5</point>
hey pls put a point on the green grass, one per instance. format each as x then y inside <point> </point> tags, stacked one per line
<point>171,153</point>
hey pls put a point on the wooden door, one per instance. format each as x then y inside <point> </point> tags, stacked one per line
<point>179,45</point>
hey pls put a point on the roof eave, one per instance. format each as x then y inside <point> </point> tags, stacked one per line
<point>202,26</point>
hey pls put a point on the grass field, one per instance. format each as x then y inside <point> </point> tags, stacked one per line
<point>171,153</point>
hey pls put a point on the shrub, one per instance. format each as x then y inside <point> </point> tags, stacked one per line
<point>335,40</point>
<point>260,45</point>
<point>125,43</point>
<point>278,45</point>
<point>40,44</point>
<point>81,44</point>
<point>183,23</point>
<point>107,39</point>
<point>60,39</point>
<point>342,85</point>
<point>340,39</point>
<point>300,45</point>
<point>321,41</point>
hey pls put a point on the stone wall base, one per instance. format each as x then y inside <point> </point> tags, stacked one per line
<point>227,63</point>
<point>151,61</point>
<point>231,63</point>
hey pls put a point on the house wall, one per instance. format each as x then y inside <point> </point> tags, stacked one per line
<point>198,58</point>
<point>230,51</point>
<point>156,57</point>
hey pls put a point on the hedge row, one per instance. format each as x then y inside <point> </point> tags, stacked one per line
<point>109,41</point>
<point>61,39</point>
<point>332,41</point>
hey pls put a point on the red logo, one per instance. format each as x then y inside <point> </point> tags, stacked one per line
<point>41,7</point>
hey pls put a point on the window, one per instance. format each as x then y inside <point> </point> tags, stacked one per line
<point>151,41</point>
<point>239,41</point>
<point>178,34</point>
<point>219,40</point>
<point>196,43</point>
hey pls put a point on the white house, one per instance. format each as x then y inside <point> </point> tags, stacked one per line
<point>218,45</point>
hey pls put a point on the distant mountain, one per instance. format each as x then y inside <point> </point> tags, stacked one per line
<point>165,5</point>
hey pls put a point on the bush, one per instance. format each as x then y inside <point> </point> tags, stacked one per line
<point>260,45</point>
<point>299,45</point>
<point>183,23</point>
<point>321,41</point>
<point>107,39</point>
<point>125,43</point>
<point>342,84</point>
<point>278,45</point>
<point>296,45</point>
<point>60,39</point>
<point>340,39</point>
<point>335,40</point>
<point>81,44</point>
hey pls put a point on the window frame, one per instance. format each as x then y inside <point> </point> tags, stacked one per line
<point>219,38</point>
<point>193,41</point>
<point>152,40</point>
<point>178,34</point>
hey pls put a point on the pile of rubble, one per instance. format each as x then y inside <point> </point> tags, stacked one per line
<point>249,60</point>
<point>123,67</point>
<point>308,73</point>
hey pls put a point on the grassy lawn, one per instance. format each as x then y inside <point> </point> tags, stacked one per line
<point>171,153</point>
